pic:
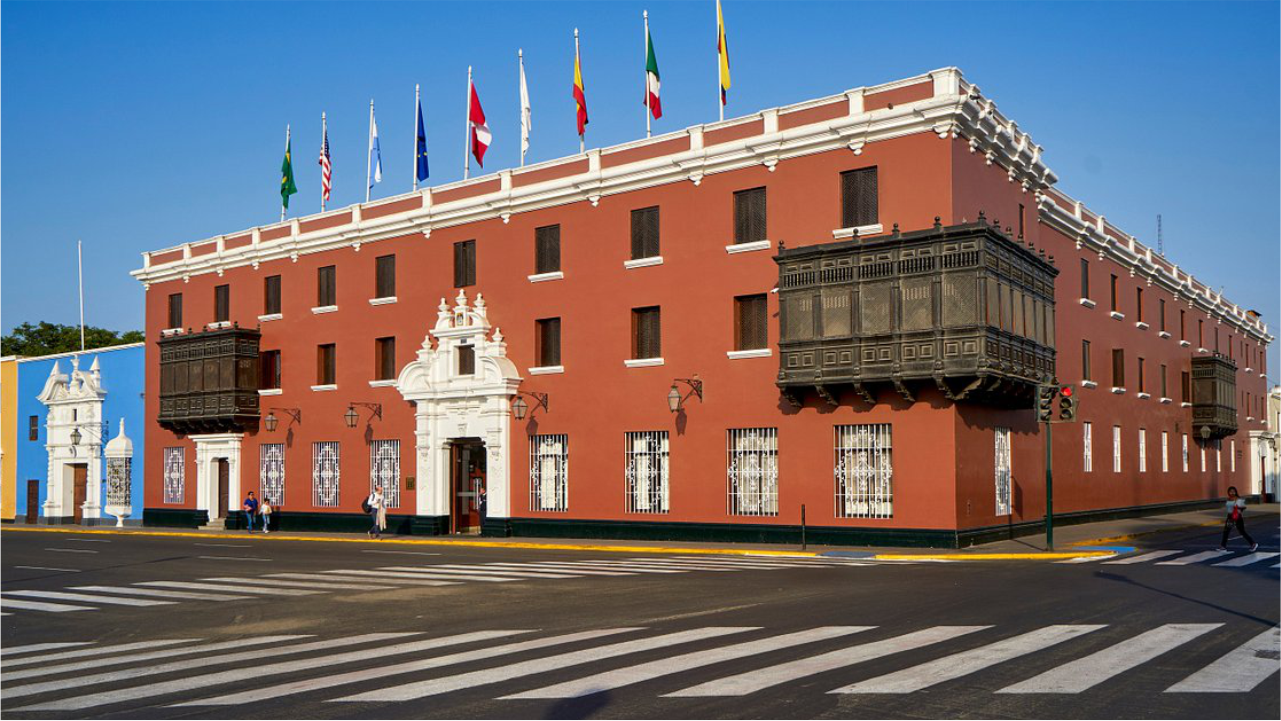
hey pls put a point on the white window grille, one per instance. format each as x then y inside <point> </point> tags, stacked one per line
<point>1003,462</point>
<point>752,471</point>
<point>647,478</point>
<point>1087,446</point>
<point>175,474</point>
<point>1185,453</point>
<point>1203,458</point>
<point>1116,449</point>
<point>1218,456</point>
<point>119,477</point>
<point>1143,450</point>
<point>1165,451</point>
<point>549,472</point>
<point>384,470</point>
<point>864,471</point>
<point>326,474</point>
<point>271,472</point>
<point>1232,456</point>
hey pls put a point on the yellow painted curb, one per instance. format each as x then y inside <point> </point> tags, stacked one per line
<point>1132,536</point>
<point>989,556</point>
<point>434,542</point>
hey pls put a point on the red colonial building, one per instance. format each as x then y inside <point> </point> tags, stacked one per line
<point>837,310</point>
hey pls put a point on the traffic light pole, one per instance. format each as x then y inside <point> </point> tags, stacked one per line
<point>1049,487</point>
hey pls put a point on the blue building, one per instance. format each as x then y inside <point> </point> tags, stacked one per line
<point>70,406</point>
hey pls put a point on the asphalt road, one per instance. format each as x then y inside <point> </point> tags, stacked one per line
<point>291,629</point>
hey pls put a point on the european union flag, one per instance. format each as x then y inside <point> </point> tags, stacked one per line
<point>421,153</point>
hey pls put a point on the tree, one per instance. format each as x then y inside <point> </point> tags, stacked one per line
<point>48,338</point>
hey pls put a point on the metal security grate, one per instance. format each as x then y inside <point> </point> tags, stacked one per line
<point>175,474</point>
<point>753,471</point>
<point>549,472</point>
<point>326,474</point>
<point>1087,446</point>
<point>384,470</point>
<point>119,473</point>
<point>271,472</point>
<point>1116,449</point>
<point>749,215</point>
<point>1002,471</point>
<point>1165,451</point>
<point>864,472</point>
<point>1143,451</point>
<point>1185,453</point>
<point>646,474</point>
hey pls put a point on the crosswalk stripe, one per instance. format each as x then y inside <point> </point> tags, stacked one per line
<point>9,678</point>
<point>13,603</point>
<point>32,648</point>
<point>95,651</point>
<point>458,567</point>
<point>242,589</point>
<point>160,593</point>
<point>87,598</point>
<point>753,681</point>
<point>442,576</point>
<point>967,662</point>
<point>737,565</point>
<point>623,566</point>
<point>1247,559</point>
<point>788,560</point>
<point>188,664</point>
<point>431,687</point>
<point>369,674</point>
<point>630,564</point>
<point>301,584</point>
<point>618,678</point>
<point>674,563</point>
<point>395,581</point>
<point>152,690</point>
<point>1089,671</point>
<point>1194,558</point>
<point>582,571</point>
<point>1143,558</point>
<point>1086,559</point>
<point>1243,668</point>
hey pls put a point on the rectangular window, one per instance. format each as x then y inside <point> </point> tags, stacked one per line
<point>385,276</point>
<point>326,474</point>
<point>271,472</point>
<point>547,249</point>
<point>1114,294</point>
<point>1200,333</point>
<point>222,303</point>
<point>1085,278</point>
<point>327,286</point>
<point>1185,386</point>
<point>326,360</point>
<point>271,295</point>
<point>549,472</point>
<point>384,470</point>
<point>547,342</point>
<point>1165,451</point>
<point>1143,450</point>
<point>1183,316</point>
<point>466,360</point>
<point>1118,367</point>
<point>1161,310</point>
<point>646,333</point>
<point>749,216</point>
<point>859,198</point>
<point>645,233</point>
<point>751,322</point>
<point>175,310</point>
<point>752,471</point>
<point>1085,361</point>
<point>175,475</point>
<point>1138,305</point>
<point>1232,456</point>
<point>464,263</point>
<point>385,359</point>
<point>647,472</point>
<point>1003,462</point>
<point>1218,455</point>
<point>864,471</point>
<point>1087,446</point>
<point>1202,449</point>
<point>1142,379</point>
<point>1116,449</point>
<point>1022,219</point>
<point>1165,382</point>
<point>269,375</point>
<point>33,428</point>
<point>1185,453</point>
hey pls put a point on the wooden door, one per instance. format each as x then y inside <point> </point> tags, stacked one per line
<point>224,486</point>
<point>80,481</point>
<point>33,501</point>
<point>466,480</point>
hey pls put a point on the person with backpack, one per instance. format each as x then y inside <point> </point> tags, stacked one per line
<point>265,511</point>
<point>374,506</point>
<point>1236,517</point>
<point>250,507</point>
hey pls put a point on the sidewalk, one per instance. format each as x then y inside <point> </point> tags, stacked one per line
<point>1086,539</point>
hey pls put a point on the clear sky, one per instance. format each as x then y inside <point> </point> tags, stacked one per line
<point>137,126</point>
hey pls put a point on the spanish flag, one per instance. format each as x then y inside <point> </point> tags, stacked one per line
<point>580,95</point>
<point>722,50</point>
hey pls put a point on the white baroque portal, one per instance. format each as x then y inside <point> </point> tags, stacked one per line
<point>461,384</point>
<point>75,406</point>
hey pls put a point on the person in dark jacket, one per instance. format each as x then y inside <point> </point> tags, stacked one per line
<point>1236,517</point>
<point>251,510</point>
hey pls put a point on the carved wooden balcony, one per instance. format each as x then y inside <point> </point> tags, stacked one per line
<point>209,381</point>
<point>966,309</point>
<point>1214,394</point>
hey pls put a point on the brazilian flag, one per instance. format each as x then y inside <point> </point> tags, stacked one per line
<point>287,187</point>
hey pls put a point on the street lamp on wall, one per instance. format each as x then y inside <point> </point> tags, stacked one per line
<point>520,408</point>
<point>271,422</point>
<point>675,401</point>
<point>76,436</point>
<point>351,416</point>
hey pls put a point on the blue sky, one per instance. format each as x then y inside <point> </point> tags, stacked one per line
<point>137,126</point>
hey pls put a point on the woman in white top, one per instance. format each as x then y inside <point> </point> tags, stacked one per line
<point>1236,517</point>
<point>378,512</point>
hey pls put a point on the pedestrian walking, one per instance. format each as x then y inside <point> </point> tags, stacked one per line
<point>1236,517</point>
<point>251,509</point>
<point>377,512</point>
<point>266,514</point>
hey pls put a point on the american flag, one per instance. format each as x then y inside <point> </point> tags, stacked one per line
<point>326,168</point>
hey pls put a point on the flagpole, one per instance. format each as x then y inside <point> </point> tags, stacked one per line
<point>467,130</point>
<point>720,104</point>
<point>648,112</point>
<point>324,135</point>
<point>520,61</point>
<point>282,197</point>
<point>80,272</point>
<point>369,154</point>
<point>578,61</point>
<point>417,103</point>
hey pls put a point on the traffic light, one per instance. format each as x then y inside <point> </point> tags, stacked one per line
<point>1067,403</point>
<point>1045,403</point>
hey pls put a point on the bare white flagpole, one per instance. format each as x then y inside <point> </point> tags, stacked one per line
<point>417,103</point>
<point>80,271</point>
<point>369,153</point>
<point>645,50</point>
<point>291,167</point>
<point>324,137</point>
<point>578,62</point>
<point>467,130</point>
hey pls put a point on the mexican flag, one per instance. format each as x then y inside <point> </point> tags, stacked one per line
<point>651,78</point>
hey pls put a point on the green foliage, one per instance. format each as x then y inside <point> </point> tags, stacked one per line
<point>47,338</point>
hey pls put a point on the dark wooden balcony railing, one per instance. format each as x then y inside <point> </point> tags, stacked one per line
<point>209,381</point>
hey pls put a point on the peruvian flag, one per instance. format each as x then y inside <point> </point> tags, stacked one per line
<point>480,135</point>
<point>651,76</point>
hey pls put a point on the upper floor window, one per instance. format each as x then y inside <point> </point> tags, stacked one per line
<point>1118,367</point>
<point>269,377</point>
<point>1114,294</point>
<point>466,360</point>
<point>384,359</point>
<point>271,295</point>
<point>464,263</point>
<point>749,216</point>
<point>1085,278</point>
<point>1161,311</point>
<point>222,303</point>
<point>1200,333</point>
<point>385,276</point>
<point>751,321</point>
<point>547,249</point>
<point>859,198</point>
<point>645,233</point>
<point>327,286</point>
<point>1085,361</point>
<point>33,428</point>
<point>1185,386</point>
<point>1022,220</point>
<point>646,333</point>
<point>1165,386</point>
<point>326,364</point>
<point>547,342</point>
<point>1142,380</point>
<point>1138,304</point>
<point>175,310</point>
<point>1183,333</point>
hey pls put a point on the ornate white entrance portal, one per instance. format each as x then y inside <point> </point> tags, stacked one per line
<point>75,414</point>
<point>461,385</point>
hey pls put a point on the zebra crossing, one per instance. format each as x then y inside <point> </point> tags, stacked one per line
<point>224,588</point>
<point>1187,557</point>
<point>704,662</point>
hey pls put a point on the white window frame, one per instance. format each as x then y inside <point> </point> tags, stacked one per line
<point>271,472</point>
<point>1003,463</point>
<point>864,471</point>
<point>326,474</point>
<point>175,475</point>
<point>549,472</point>
<point>1087,446</point>
<point>1165,451</point>
<point>751,471</point>
<point>1143,450</point>
<point>1232,456</point>
<point>384,470</point>
<point>1218,455</point>
<point>1203,466</point>
<point>1185,453</point>
<point>1116,449</point>
<point>647,472</point>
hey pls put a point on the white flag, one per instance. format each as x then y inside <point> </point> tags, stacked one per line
<point>526,115</point>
